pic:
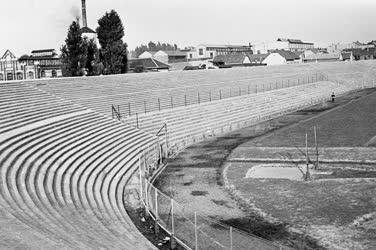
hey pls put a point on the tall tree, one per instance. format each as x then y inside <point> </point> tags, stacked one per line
<point>74,51</point>
<point>91,56</point>
<point>113,52</point>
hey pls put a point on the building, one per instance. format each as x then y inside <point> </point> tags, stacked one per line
<point>170,56</point>
<point>280,57</point>
<point>294,45</point>
<point>209,51</point>
<point>339,47</point>
<point>231,60</point>
<point>258,59</point>
<point>147,54</point>
<point>346,56</point>
<point>322,57</point>
<point>12,69</point>
<point>362,54</point>
<point>87,32</point>
<point>139,65</point>
<point>46,63</point>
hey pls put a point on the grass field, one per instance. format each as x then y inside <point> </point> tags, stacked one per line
<point>336,208</point>
<point>194,178</point>
<point>351,125</point>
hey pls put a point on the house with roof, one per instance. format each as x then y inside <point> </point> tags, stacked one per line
<point>279,57</point>
<point>294,45</point>
<point>10,67</point>
<point>362,54</point>
<point>231,60</point>
<point>322,57</point>
<point>170,56</point>
<point>257,59</point>
<point>209,51</point>
<point>138,65</point>
<point>346,56</point>
<point>147,54</point>
<point>47,63</point>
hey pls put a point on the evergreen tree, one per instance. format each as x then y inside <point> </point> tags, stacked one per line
<point>113,52</point>
<point>74,51</point>
<point>91,57</point>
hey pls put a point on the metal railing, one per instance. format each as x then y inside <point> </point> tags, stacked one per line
<point>189,228</point>
<point>196,95</point>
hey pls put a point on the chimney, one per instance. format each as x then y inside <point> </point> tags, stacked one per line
<point>84,20</point>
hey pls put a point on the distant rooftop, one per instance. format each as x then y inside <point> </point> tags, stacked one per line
<point>87,30</point>
<point>42,51</point>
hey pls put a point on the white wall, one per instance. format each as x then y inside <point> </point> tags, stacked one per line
<point>161,56</point>
<point>274,59</point>
<point>146,54</point>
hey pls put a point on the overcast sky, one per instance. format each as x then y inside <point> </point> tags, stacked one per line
<point>36,24</point>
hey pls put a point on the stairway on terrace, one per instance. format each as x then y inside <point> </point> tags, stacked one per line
<point>140,93</point>
<point>189,124</point>
<point>63,173</point>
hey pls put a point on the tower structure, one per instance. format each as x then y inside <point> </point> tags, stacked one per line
<point>84,18</point>
<point>85,30</point>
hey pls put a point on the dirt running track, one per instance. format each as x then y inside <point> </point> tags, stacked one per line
<point>194,177</point>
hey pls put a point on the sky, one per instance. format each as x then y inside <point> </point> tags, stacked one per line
<point>39,24</point>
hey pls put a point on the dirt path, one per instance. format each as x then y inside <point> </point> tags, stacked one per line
<point>194,178</point>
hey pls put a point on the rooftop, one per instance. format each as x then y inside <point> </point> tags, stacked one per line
<point>87,30</point>
<point>42,51</point>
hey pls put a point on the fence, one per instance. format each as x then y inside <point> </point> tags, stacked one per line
<point>189,228</point>
<point>178,97</point>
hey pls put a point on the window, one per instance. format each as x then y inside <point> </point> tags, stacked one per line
<point>1,77</point>
<point>211,54</point>
<point>190,56</point>
<point>31,75</point>
<point>19,76</point>
<point>54,74</point>
<point>9,76</point>
<point>201,52</point>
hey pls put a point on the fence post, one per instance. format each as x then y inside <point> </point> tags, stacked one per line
<point>140,169</point>
<point>146,200</point>
<point>166,140</point>
<point>172,103</point>
<point>137,120</point>
<point>288,83</point>
<point>256,88</point>
<point>145,106</point>
<point>172,240</point>
<point>209,95</point>
<point>240,91</point>
<point>230,238</point>
<point>196,239</point>
<point>129,109</point>
<point>276,84</point>
<point>248,89</point>
<point>159,104</point>
<point>198,97</point>
<point>119,112</point>
<point>220,94</point>
<point>156,226</point>
<point>185,100</point>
